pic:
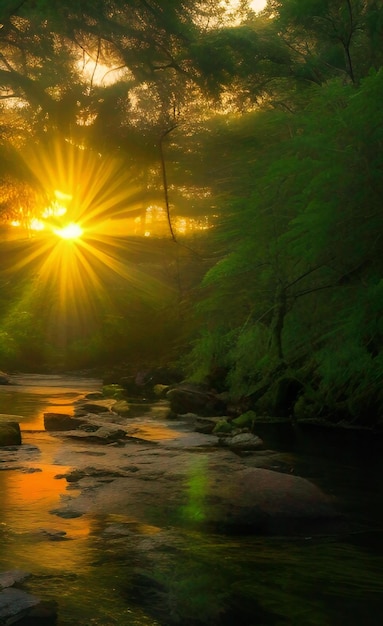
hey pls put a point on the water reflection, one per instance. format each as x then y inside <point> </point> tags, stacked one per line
<point>195,490</point>
<point>108,570</point>
<point>30,396</point>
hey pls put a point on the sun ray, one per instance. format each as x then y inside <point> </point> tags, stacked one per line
<point>73,269</point>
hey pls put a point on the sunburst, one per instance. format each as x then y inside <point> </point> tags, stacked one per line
<point>74,264</point>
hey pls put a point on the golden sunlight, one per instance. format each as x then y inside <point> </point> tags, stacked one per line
<point>90,194</point>
<point>70,231</point>
<point>255,5</point>
<point>258,5</point>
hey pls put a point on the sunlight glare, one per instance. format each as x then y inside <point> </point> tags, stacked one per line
<point>258,5</point>
<point>70,231</point>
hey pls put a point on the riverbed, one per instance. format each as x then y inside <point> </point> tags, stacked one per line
<point>100,568</point>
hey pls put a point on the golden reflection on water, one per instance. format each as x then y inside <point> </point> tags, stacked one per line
<point>28,494</point>
<point>37,421</point>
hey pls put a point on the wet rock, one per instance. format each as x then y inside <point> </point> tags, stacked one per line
<point>122,407</point>
<point>103,435</point>
<point>261,500</point>
<point>54,535</point>
<point>98,406</point>
<point>206,425</point>
<point>189,398</point>
<point>65,513</point>
<point>18,606</point>
<point>61,421</point>
<point>10,434</point>
<point>242,441</point>
<point>93,472</point>
<point>17,457</point>
<point>94,395</point>
<point>15,604</point>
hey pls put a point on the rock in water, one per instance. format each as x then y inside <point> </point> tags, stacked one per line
<point>260,500</point>
<point>15,604</point>
<point>10,434</point>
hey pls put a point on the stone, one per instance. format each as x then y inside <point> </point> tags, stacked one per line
<point>264,501</point>
<point>10,434</point>
<point>121,407</point>
<point>61,421</point>
<point>205,424</point>
<point>160,391</point>
<point>98,406</point>
<point>15,604</point>
<point>104,434</point>
<point>188,398</point>
<point>243,441</point>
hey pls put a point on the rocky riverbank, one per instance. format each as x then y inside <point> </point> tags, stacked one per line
<point>139,464</point>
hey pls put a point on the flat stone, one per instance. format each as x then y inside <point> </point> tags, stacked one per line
<point>103,435</point>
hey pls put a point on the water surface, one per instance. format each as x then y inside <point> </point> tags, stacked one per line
<point>97,567</point>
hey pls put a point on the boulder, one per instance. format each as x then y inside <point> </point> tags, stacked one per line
<point>188,398</point>
<point>258,500</point>
<point>61,421</point>
<point>10,434</point>
<point>15,604</point>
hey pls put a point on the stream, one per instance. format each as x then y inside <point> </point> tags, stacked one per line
<point>95,567</point>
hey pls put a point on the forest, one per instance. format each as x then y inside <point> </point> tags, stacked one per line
<point>197,184</point>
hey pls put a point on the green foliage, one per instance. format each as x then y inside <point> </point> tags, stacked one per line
<point>209,352</point>
<point>223,426</point>
<point>304,245</point>
<point>113,391</point>
<point>245,420</point>
<point>250,359</point>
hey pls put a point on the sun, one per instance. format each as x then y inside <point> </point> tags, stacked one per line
<point>70,231</point>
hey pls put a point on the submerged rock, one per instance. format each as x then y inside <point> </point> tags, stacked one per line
<point>10,434</point>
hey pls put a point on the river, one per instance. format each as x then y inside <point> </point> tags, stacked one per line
<point>210,579</point>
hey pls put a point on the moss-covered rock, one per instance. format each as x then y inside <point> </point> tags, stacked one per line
<point>160,390</point>
<point>121,407</point>
<point>223,426</point>
<point>245,420</point>
<point>113,391</point>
